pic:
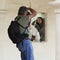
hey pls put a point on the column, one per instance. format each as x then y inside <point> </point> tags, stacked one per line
<point>56,5</point>
<point>57,12</point>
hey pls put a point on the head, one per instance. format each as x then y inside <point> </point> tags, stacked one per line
<point>39,20</point>
<point>22,10</point>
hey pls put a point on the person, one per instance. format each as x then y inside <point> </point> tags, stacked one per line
<point>40,25</point>
<point>25,47</point>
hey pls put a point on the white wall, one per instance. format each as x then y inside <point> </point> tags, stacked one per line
<point>42,51</point>
<point>58,35</point>
<point>8,50</point>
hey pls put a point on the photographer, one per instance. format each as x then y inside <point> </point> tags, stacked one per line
<point>25,47</point>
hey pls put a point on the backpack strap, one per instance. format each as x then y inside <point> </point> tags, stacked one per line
<point>17,18</point>
<point>26,28</point>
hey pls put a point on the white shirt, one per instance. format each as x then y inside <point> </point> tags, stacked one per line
<point>34,31</point>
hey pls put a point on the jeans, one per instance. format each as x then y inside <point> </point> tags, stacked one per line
<point>26,49</point>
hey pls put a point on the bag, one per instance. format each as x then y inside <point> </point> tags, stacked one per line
<point>14,32</point>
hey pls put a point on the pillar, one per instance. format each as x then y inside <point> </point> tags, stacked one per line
<point>56,5</point>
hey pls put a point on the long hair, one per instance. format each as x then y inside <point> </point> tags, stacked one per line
<point>41,24</point>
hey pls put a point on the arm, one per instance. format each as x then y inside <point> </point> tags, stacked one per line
<point>33,12</point>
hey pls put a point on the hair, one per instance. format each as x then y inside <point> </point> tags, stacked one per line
<point>22,10</point>
<point>41,19</point>
<point>41,24</point>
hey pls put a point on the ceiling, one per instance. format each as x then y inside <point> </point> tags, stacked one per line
<point>13,5</point>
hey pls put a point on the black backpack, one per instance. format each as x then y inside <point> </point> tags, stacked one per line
<point>14,32</point>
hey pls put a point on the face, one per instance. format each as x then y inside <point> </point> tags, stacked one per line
<point>39,21</point>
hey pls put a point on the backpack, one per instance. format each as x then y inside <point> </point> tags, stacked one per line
<point>14,32</point>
